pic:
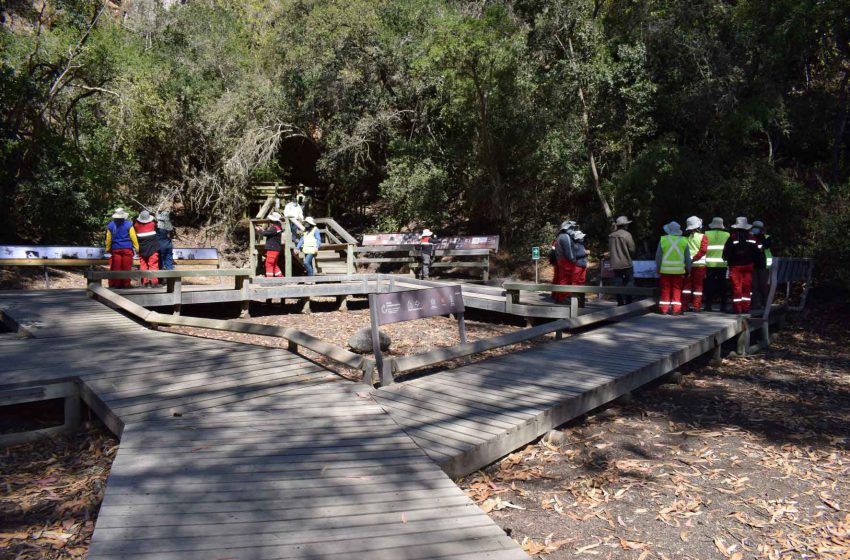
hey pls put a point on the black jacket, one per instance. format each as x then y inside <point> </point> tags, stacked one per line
<point>273,237</point>
<point>741,249</point>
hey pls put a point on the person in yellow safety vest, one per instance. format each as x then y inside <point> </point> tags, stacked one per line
<point>673,262</point>
<point>698,246</point>
<point>761,272</point>
<point>309,244</point>
<point>716,268</point>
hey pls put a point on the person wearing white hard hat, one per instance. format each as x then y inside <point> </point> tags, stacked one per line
<point>716,268</point>
<point>673,262</point>
<point>274,243</point>
<point>426,253</point>
<point>309,244</point>
<point>121,241</point>
<point>621,247</point>
<point>148,250</point>
<point>741,252</point>
<point>698,246</point>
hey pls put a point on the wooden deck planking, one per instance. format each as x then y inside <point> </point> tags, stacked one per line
<point>530,392</point>
<point>271,456</point>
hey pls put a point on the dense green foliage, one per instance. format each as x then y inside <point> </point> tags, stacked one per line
<point>489,116</point>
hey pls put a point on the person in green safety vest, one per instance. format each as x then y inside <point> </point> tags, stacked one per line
<point>761,272</point>
<point>698,246</point>
<point>673,262</point>
<point>309,244</point>
<point>716,268</point>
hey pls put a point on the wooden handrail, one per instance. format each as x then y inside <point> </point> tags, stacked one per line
<point>622,290</point>
<point>137,274</point>
<point>433,357</point>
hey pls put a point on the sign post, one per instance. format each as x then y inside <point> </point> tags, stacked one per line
<point>535,256</point>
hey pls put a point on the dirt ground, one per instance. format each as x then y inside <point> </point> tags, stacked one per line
<point>746,460</point>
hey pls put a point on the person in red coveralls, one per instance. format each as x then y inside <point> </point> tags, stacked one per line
<point>148,249</point>
<point>741,252</point>
<point>673,262</point>
<point>120,242</point>
<point>564,259</point>
<point>698,246</point>
<point>273,235</point>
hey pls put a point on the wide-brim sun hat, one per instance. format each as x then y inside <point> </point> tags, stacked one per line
<point>758,224</point>
<point>310,220</point>
<point>144,217</point>
<point>579,236</point>
<point>568,224</point>
<point>427,233</point>
<point>622,221</point>
<point>673,228</point>
<point>693,223</point>
<point>716,223</point>
<point>274,217</point>
<point>120,214</point>
<point>741,223</point>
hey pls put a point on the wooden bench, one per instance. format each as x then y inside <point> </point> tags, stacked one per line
<point>68,256</point>
<point>402,249</point>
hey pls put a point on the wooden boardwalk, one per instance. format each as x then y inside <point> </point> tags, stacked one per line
<point>230,450</point>
<point>236,451</point>
<point>468,417</point>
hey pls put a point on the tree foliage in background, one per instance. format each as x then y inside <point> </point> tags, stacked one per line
<point>501,116</point>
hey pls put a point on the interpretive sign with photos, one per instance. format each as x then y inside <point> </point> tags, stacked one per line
<point>417,304</point>
<point>53,252</point>
<point>460,242</point>
<point>396,307</point>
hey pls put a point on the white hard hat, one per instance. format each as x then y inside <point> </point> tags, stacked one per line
<point>693,223</point>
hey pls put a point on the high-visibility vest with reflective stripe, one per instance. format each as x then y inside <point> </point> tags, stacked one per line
<point>311,245</point>
<point>768,256</point>
<point>694,243</point>
<point>673,254</point>
<point>716,240</point>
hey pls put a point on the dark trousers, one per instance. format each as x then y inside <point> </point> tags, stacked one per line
<point>760,287</point>
<point>715,287</point>
<point>627,278</point>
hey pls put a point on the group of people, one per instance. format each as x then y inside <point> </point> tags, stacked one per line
<point>695,267</point>
<point>148,236</point>
<point>308,244</point>
<point>568,257</point>
<point>694,263</point>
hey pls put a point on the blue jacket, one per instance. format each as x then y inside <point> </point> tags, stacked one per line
<point>120,235</point>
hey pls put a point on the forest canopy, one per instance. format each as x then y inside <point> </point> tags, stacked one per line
<point>485,117</point>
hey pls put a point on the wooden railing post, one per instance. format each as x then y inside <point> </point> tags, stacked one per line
<point>175,286</point>
<point>244,304</point>
<point>349,259</point>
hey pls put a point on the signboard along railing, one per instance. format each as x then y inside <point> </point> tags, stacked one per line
<point>460,242</point>
<point>396,307</point>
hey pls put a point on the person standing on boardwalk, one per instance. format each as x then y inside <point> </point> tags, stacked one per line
<point>426,253</point>
<point>698,246</point>
<point>621,247</point>
<point>716,271</point>
<point>273,235</point>
<point>164,236</point>
<point>673,262</point>
<point>580,265</point>
<point>121,241</point>
<point>295,215</point>
<point>148,250</point>
<point>565,259</point>
<point>761,270</point>
<point>309,245</point>
<point>741,252</point>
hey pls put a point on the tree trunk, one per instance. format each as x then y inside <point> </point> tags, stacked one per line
<point>840,128</point>
<point>588,140</point>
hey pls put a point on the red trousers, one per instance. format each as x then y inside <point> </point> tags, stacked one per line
<point>121,259</point>
<point>579,275</point>
<point>692,288</point>
<point>741,278</point>
<point>671,293</point>
<point>149,263</point>
<point>563,277</point>
<point>272,269</point>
